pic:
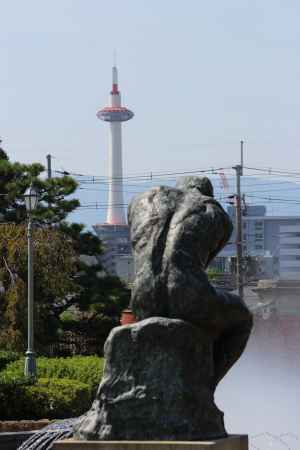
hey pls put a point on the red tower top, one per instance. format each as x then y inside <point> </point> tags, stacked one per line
<point>115,112</point>
<point>115,90</point>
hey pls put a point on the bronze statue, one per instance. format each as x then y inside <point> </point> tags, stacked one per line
<point>175,234</point>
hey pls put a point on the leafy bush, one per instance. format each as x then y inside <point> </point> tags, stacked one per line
<point>11,391</point>
<point>51,398</point>
<point>85,369</point>
<point>7,357</point>
<point>68,316</point>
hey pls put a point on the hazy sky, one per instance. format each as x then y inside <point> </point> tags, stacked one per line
<point>199,75</point>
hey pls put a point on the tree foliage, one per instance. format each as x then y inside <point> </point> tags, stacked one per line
<point>15,178</point>
<point>54,268</point>
<point>101,297</point>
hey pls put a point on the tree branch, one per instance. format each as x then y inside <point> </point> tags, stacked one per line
<point>11,274</point>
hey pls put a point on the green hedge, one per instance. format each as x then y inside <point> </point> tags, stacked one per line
<point>21,398</point>
<point>7,357</point>
<point>85,369</point>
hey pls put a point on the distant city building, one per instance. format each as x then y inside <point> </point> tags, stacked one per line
<point>289,251</point>
<point>117,257</point>
<point>273,240</point>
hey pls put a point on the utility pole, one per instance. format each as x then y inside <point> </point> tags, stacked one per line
<point>49,166</point>
<point>238,225</point>
<point>242,157</point>
<point>239,244</point>
<point>49,171</point>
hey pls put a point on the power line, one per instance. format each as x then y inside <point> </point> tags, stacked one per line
<point>150,175</point>
<point>269,183</point>
<point>270,198</point>
<point>295,187</point>
<point>273,190</point>
<point>146,176</point>
<point>272,170</point>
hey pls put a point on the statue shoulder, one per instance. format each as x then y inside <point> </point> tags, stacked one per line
<point>155,200</point>
<point>151,211</point>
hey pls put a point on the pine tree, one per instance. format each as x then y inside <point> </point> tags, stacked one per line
<point>15,178</point>
<point>101,297</point>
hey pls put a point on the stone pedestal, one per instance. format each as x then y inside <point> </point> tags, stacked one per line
<point>158,385</point>
<point>234,442</point>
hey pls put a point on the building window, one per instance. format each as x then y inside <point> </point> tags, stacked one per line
<point>259,247</point>
<point>259,224</point>
<point>258,236</point>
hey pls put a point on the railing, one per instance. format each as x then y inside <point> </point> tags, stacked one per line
<point>75,344</point>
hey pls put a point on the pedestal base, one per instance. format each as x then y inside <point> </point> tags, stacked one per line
<point>233,442</point>
<point>158,385</point>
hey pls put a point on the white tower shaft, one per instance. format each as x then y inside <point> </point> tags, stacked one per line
<point>115,212</point>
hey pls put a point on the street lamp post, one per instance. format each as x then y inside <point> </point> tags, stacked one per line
<point>31,200</point>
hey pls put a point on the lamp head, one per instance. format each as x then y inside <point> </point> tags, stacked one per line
<point>31,197</point>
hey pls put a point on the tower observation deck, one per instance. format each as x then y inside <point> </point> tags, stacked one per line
<point>115,114</point>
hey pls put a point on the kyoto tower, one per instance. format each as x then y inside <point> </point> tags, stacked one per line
<point>115,114</point>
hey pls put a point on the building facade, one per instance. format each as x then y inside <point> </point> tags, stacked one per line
<point>117,255</point>
<point>273,240</point>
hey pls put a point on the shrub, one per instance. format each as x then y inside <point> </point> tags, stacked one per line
<point>51,398</point>
<point>7,357</point>
<point>11,390</point>
<point>68,317</point>
<point>86,369</point>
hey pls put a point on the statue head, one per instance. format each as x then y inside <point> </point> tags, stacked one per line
<point>202,184</point>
